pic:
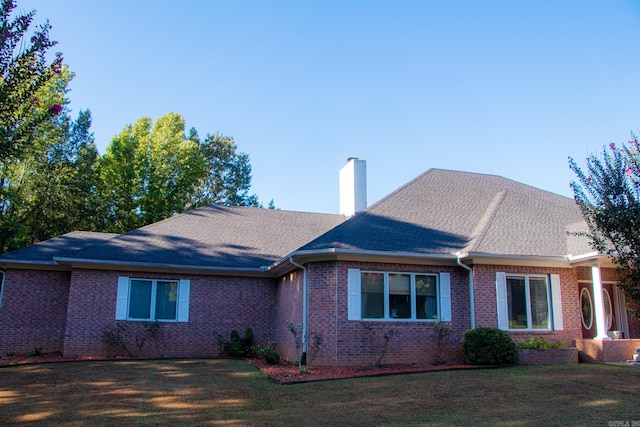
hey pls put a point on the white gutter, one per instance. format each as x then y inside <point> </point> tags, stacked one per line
<point>364,253</point>
<point>305,307</point>
<point>581,257</point>
<point>472,303</point>
<point>155,266</point>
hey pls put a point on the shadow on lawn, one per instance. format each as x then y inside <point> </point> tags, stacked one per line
<point>233,392</point>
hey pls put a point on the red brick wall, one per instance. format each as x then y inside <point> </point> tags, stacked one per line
<point>583,273</point>
<point>551,356</point>
<point>288,311</point>
<point>486,305</point>
<point>217,305</point>
<point>33,312</point>
<point>347,342</point>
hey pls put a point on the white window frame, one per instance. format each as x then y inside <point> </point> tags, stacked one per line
<point>554,302</point>
<point>443,296</point>
<point>124,294</point>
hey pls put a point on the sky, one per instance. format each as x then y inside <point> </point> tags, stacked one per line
<point>511,88</point>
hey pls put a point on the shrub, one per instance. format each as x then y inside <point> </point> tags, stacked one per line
<point>442,331</point>
<point>296,332</point>
<point>538,344</point>
<point>239,346</point>
<point>266,352</point>
<point>37,352</point>
<point>378,346</point>
<point>488,346</point>
<point>131,338</point>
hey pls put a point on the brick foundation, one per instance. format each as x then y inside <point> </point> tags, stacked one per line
<point>551,356</point>
<point>607,351</point>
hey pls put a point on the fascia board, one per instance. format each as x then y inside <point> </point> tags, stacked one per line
<point>334,254</point>
<point>523,260</point>
<point>81,263</point>
<point>590,259</point>
<point>33,265</point>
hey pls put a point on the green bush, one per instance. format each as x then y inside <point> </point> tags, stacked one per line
<point>266,352</point>
<point>488,346</point>
<point>239,346</point>
<point>538,344</point>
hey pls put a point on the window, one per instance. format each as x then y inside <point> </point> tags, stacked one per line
<point>586,308</point>
<point>608,308</point>
<point>398,296</point>
<point>529,302</point>
<point>151,299</point>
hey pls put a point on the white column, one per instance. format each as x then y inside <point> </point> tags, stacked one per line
<point>598,303</point>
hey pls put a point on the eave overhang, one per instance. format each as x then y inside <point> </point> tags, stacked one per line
<point>33,265</point>
<point>79,263</point>
<point>591,259</point>
<point>284,265</point>
<point>481,258</point>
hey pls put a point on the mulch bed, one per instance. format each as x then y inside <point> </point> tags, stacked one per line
<point>283,373</point>
<point>290,374</point>
<point>25,359</point>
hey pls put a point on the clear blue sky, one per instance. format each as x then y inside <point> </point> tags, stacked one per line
<point>510,88</point>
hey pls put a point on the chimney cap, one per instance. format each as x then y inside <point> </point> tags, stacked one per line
<point>352,158</point>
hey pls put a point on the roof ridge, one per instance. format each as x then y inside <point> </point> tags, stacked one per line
<point>482,227</point>
<point>397,190</point>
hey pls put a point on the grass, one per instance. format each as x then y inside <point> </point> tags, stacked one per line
<point>232,392</point>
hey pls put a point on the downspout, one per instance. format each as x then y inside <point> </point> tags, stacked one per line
<point>472,303</point>
<point>2,286</point>
<point>305,303</point>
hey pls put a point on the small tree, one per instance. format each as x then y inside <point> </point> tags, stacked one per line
<point>608,195</point>
<point>379,346</point>
<point>442,331</point>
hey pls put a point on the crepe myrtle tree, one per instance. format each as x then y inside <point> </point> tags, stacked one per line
<point>24,71</point>
<point>608,194</point>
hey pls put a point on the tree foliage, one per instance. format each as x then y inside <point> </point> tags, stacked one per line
<point>150,172</point>
<point>608,194</point>
<point>228,177</point>
<point>24,71</point>
<point>50,188</point>
<point>52,180</point>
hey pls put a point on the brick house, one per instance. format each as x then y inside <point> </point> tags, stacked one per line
<point>470,249</point>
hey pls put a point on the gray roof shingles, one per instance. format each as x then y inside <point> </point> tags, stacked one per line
<point>443,211</point>
<point>439,212</point>
<point>61,246</point>
<point>216,236</point>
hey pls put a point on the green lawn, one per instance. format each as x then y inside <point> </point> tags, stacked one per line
<point>232,392</point>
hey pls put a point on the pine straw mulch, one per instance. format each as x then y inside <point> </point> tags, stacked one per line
<point>282,373</point>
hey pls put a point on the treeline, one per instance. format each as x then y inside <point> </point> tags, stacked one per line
<point>52,178</point>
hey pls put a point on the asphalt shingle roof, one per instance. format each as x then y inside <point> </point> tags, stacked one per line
<point>439,212</point>
<point>443,211</point>
<point>61,246</point>
<point>216,236</point>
